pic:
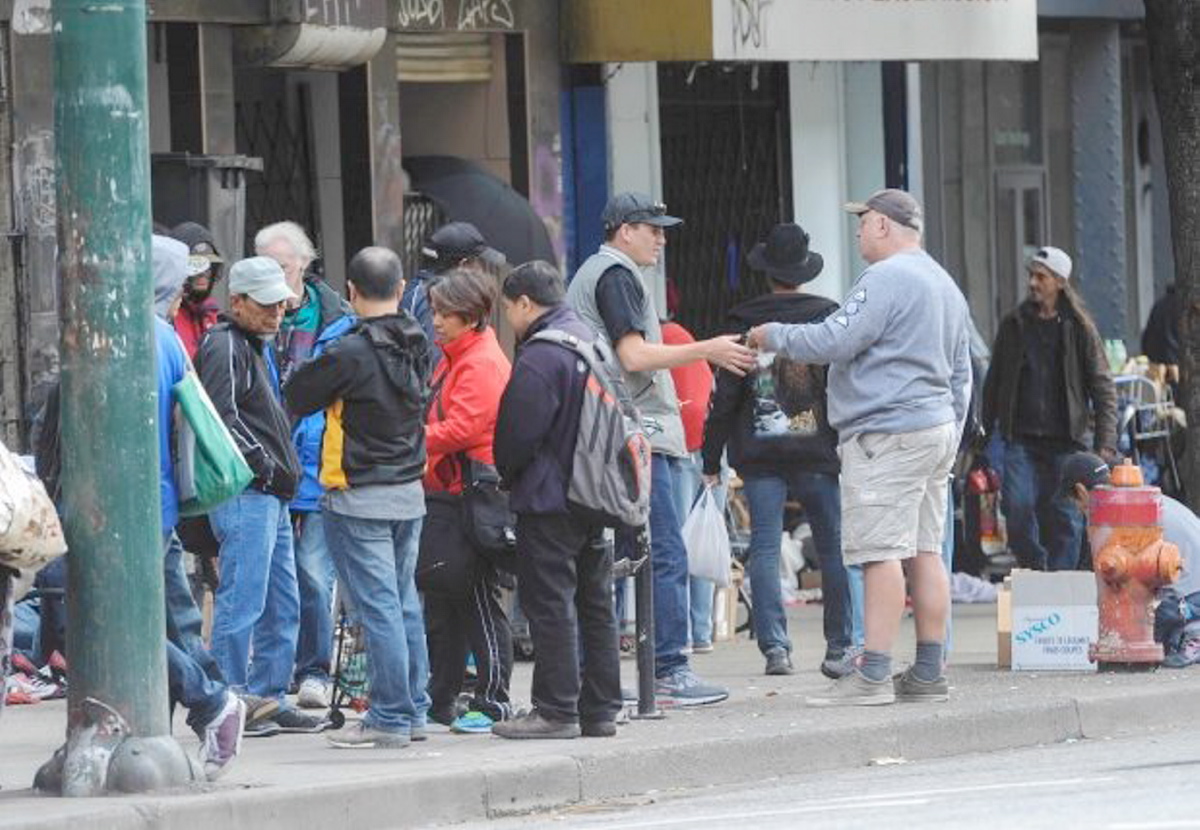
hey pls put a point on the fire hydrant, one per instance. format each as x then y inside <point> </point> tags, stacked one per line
<point>1132,562</point>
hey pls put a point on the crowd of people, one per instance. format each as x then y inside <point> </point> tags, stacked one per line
<point>368,420</point>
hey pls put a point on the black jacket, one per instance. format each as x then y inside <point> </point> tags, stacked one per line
<point>539,417</point>
<point>1091,398</point>
<point>373,383</point>
<point>731,417</point>
<point>1160,339</point>
<point>233,366</point>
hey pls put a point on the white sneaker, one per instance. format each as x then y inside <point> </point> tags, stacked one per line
<point>313,693</point>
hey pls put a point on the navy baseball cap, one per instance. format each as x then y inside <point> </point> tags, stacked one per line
<point>632,208</point>
<point>1082,468</point>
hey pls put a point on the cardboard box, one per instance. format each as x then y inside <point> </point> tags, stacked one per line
<point>1004,624</point>
<point>1055,621</point>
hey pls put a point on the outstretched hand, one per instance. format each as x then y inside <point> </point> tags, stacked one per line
<point>756,338</point>
<point>725,351</point>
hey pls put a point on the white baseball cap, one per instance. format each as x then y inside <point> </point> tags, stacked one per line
<point>1055,259</point>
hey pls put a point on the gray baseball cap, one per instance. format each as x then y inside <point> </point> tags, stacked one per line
<point>631,208</point>
<point>897,205</point>
<point>261,278</point>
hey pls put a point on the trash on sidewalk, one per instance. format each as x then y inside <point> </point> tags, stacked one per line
<point>966,588</point>
<point>1055,621</point>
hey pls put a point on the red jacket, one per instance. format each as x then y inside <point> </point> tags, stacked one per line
<point>693,385</point>
<point>467,386</point>
<point>193,321</point>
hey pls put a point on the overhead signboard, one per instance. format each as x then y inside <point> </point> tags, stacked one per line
<point>872,30</point>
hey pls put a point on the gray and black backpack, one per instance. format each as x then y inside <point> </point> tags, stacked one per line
<point>610,473</point>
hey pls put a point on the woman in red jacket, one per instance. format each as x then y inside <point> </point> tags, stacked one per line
<point>466,389</point>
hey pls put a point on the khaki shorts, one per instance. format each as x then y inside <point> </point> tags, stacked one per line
<point>894,493</point>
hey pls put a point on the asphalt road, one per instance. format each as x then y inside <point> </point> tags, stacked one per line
<point>1129,784</point>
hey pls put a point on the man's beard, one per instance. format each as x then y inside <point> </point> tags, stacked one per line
<point>195,296</point>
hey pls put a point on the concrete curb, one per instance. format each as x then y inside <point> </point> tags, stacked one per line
<point>556,781</point>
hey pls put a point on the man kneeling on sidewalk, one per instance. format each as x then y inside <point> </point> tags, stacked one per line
<point>564,570</point>
<point>372,384</point>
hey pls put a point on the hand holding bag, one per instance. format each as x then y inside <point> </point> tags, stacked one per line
<point>707,540</point>
<point>31,534</point>
<point>209,467</point>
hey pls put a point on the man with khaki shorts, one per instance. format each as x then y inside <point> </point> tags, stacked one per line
<point>898,386</point>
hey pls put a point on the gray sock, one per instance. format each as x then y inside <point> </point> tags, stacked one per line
<point>929,662</point>
<point>876,665</point>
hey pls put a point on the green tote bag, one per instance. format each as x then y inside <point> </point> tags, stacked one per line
<point>209,467</point>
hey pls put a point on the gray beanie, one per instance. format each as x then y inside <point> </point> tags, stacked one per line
<point>169,262</point>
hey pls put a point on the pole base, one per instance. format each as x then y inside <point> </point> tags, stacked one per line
<point>101,757</point>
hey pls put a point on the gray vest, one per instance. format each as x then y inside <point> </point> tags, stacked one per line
<point>653,392</point>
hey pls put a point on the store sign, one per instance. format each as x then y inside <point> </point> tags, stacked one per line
<point>872,30</point>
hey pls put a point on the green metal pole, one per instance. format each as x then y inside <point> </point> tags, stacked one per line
<point>111,504</point>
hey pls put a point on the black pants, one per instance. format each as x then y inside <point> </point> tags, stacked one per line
<point>565,579</point>
<point>477,622</point>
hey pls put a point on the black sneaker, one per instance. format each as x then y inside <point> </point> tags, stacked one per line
<point>533,725</point>
<point>293,721</point>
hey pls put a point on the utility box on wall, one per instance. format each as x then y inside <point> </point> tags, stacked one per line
<point>211,190</point>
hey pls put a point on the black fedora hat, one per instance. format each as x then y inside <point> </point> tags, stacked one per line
<point>785,256</point>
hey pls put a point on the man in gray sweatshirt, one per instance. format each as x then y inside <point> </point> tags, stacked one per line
<point>898,386</point>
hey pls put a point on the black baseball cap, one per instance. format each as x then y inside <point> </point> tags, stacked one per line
<point>630,208</point>
<point>456,241</point>
<point>1082,468</point>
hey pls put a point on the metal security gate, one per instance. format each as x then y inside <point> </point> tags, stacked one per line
<point>726,171</point>
<point>285,189</point>
<point>422,217</point>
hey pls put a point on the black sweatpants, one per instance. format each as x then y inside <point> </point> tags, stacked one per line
<point>564,577</point>
<point>476,623</point>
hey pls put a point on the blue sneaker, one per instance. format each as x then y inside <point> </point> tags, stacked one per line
<point>472,723</point>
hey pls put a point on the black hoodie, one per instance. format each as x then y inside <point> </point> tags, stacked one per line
<point>740,406</point>
<point>373,382</point>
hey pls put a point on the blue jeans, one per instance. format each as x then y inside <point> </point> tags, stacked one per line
<point>188,683</point>
<point>375,561</point>
<point>189,686</point>
<point>765,496</point>
<point>1045,530</point>
<point>700,591</point>
<point>314,574</point>
<point>184,621</point>
<point>258,600</point>
<point>668,559</point>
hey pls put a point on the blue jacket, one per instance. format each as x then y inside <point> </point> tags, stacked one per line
<point>172,366</point>
<point>415,301</point>
<point>309,431</point>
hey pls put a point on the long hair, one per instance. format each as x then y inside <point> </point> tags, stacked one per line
<point>1075,304</point>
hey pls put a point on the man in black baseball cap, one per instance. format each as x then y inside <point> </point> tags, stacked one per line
<point>610,293</point>
<point>632,208</point>
<point>455,244</point>
<point>198,311</point>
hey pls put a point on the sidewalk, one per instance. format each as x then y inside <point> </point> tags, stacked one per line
<point>764,731</point>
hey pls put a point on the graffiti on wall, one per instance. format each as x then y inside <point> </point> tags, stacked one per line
<point>486,14</point>
<point>35,183</point>
<point>429,13</point>
<point>750,23</point>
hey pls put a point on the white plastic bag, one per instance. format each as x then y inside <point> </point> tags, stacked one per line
<point>30,532</point>
<point>707,540</point>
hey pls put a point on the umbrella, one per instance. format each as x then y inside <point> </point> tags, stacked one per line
<point>467,193</point>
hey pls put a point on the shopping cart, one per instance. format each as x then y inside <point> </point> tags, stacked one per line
<point>351,689</point>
